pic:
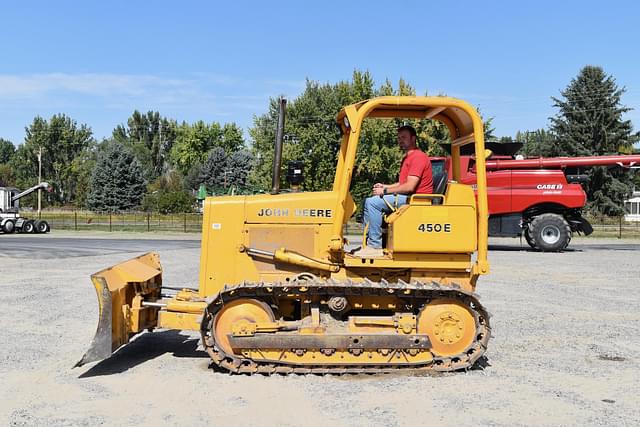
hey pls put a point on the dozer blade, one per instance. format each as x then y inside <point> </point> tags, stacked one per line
<point>121,290</point>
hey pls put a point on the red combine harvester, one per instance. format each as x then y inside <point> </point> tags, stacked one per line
<point>538,198</point>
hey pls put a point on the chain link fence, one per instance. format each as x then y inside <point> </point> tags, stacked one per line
<point>614,227</point>
<point>122,221</point>
<point>192,223</point>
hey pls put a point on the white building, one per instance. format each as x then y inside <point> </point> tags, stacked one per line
<point>632,206</point>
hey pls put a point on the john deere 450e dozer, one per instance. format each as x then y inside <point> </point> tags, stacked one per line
<point>279,292</point>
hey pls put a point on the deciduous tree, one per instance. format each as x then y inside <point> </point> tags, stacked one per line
<point>150,137</point>
<point>6,150</point>
<point>63,142</point>
<point>312,135</point>
<point>195,141</point>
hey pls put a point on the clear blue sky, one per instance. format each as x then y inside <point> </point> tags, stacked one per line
<point>221,61</point>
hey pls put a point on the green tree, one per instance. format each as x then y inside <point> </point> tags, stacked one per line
<point>166,195</point>
<point>194,141</point>
<point>232,138</point>
<point>238,168</point>
<point>63,143</point>
<point>222,173</point>
<point>537,143</point>
<point>212,172</point>
<point>117,181</point>
<point>176,202</point>
<point>489,130</point>
<point>85,163</point>
<point>150,137</point>
<point>7,149</point>
<point>312,135</point>
<point>7,178</point>
<point>590,122</point>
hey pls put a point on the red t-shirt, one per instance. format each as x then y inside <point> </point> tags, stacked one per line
<point>417,163</point>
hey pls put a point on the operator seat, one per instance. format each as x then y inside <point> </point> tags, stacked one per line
<point>439,186</point>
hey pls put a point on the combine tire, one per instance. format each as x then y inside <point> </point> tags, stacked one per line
<point>527,237</point>
<point>548,233</point>
<point>42,226</point>
<point>9,227</point>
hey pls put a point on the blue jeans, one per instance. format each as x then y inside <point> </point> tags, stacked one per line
<point>374,207</point>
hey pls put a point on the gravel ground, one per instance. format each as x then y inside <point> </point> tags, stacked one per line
<point>565,351</point>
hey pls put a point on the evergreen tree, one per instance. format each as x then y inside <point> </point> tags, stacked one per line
<point>222,173</point>
<point>212,172</point>
<point>117,181</point>
<point>239,166</point>
<point>489,131</point>
<point>590,122</point>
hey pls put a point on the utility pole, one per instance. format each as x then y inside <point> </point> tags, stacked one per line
<point>160,147</point>
<point>39,180</point>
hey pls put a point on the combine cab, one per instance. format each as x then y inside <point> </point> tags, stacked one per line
<point>280,292</point>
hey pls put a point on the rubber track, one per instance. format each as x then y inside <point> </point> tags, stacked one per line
<point>415,293</point>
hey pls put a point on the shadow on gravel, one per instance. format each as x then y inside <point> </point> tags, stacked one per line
<point>613,247</point>
<point>579,248</point>
<point>525,248</point>
<point>481,364</point>
<point>146,347</point>
<point>510,248</point>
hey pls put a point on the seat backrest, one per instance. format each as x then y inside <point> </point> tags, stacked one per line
<point>439,186</point>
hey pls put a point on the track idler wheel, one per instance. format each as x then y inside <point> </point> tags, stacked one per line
<point>451,326</point>
<point>234,314</point>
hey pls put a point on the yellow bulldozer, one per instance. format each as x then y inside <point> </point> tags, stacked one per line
<point>280,293</point>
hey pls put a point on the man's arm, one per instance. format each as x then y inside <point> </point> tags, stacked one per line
<point>408,187</point>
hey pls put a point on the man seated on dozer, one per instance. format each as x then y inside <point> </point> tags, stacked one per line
<point>415,178</point>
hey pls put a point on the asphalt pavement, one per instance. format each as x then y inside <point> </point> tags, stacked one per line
<point>52,247</point>
<point>71,245</point>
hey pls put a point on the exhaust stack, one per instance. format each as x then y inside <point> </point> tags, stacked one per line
<point>277,158</point>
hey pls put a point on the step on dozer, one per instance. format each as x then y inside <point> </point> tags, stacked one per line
<point>280,293</point>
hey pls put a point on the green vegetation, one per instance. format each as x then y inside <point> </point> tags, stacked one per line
<point>65,148</point>
<point>311,135</point>
<point>156,164</point>
<point>116,181</point>
<point>590,122</point>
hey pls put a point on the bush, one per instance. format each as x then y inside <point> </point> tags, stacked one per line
<point>169,202</point>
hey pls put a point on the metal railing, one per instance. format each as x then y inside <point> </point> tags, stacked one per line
<point>122,221</point>
<point>192,222</point>
<point>614,227</point>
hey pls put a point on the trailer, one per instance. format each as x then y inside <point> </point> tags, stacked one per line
<point>10,219</point>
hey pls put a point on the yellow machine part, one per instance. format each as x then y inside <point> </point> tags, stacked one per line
<point>446,228</point>
<point>121,290</point>
<point>271,266</point>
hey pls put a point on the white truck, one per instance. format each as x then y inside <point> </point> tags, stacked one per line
<point>10,219</point>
